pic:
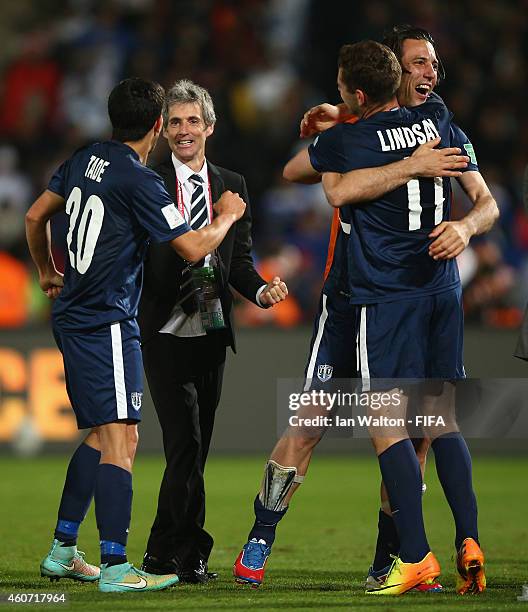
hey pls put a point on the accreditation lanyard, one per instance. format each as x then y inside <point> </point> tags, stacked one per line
<point>181,205</point>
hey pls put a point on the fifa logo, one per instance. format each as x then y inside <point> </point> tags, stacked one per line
<point>324,372</point>
<point>135,398</point>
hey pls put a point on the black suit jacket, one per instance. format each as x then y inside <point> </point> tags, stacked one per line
<point>163,266</point>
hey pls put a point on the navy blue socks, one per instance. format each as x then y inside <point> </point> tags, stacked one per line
<point>113,505</point>
<point>388,542</point>
<point>453,466</point>
<point>265,522</point>
<point>401,474</point>
<point>77,494</point>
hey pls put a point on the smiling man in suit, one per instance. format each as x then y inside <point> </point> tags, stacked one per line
<point>183,347</point>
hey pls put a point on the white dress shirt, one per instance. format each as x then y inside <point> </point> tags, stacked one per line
<point>179,323</point>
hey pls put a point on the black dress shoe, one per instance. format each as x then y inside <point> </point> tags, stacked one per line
<point>196,573</point>
<point>153,565</point>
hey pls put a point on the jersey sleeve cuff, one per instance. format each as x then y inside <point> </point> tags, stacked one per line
<point>313,160</point>
<point>176,233</point>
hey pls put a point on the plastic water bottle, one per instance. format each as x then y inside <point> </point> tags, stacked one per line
<point>211,312</point>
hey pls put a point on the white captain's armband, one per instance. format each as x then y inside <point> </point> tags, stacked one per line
<point>172,216</point>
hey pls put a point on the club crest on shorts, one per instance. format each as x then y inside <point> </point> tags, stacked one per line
<point>324,372</point>
<point>135,398</point>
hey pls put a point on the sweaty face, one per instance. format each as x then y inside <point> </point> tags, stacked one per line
<point>186,132</point>
<point>419,72</point>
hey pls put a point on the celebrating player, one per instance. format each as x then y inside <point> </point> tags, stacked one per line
<point>115,205</point>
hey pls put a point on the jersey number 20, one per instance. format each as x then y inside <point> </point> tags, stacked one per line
<point>88,229</point>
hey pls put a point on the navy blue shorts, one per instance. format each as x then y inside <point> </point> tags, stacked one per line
<point>333,344</point>
<point>415,338</point>
<point>104,373</point>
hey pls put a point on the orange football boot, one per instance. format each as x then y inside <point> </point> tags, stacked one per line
<point>470,576</point>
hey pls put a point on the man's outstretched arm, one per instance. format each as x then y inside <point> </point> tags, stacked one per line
<point>194,245</point>
<point>368,184</point>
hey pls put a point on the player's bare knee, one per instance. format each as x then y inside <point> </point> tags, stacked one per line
<point>444,430</point>
<point>387,435</point>
<point>114,444</point>
<point>383,443</point>
<point>305,442</point>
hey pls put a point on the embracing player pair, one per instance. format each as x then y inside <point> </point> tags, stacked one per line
<point>393,291</point>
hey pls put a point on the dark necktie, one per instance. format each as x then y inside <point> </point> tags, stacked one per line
<point>198,219</point>
<point>198,203</point>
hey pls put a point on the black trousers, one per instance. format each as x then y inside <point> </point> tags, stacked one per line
<point>185,381</point>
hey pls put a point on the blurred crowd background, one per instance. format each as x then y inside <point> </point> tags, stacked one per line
<point>265,62</point>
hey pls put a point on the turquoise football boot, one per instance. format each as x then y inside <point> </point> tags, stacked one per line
<point>67,562</point>
<point>125,578</point>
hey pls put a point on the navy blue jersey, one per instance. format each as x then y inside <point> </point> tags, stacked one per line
<point>388,246</point>
<point>115,205</point>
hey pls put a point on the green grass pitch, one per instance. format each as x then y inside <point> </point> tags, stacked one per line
<point>322,551</point>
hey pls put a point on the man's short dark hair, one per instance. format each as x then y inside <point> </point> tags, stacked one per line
<point>133,107</point>
<point>371,67</point>
<point>395,36</point>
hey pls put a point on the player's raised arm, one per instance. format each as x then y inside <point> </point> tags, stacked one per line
<point>366,184</point>
<point>322,117</point>
<point>452,237</point>
<point>195,245</point>
<point>39,243</point>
